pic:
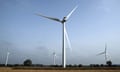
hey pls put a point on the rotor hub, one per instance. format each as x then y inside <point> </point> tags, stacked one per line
<point>64,19</point>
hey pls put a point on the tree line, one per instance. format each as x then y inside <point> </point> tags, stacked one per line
<point>28,62</point>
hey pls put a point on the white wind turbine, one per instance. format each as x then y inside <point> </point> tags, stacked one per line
<point>104,52</point>
<point>8,53</point>
<point>64,35</point>
<point>54,58</point>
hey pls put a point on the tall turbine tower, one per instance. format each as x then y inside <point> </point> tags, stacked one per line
<point>7,59</point>
<point>63,21</point>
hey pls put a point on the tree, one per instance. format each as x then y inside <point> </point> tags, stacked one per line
<point>27,62</point>
<point>80,65</point>
<point>109,63</point>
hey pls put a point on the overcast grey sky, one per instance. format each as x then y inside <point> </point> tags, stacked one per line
<point>27,36</point>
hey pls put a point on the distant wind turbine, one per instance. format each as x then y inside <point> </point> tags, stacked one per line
<point>7,59</point>
<point>65,35</point>
<point>54,58</point>
<point>104,52</point>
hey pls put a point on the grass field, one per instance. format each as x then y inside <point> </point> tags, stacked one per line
<point>8,69</point>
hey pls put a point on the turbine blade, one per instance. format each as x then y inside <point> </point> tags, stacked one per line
<point>105,57</point>
<point>105,51</point>
<point>68,40</point>
<point>105,48</point>
<point>108,57</point>
<point>51,18</point>
<point>67,17</point>
<point>101,53</point>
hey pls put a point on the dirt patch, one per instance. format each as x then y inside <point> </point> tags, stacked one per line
<point>8,69</point>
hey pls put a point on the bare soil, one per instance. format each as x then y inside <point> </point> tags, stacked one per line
<point>9,69</point>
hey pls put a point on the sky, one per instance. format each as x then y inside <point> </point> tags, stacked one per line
<point>28,36</point>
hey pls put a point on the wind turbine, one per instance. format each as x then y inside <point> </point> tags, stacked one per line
<point>54,58</point>
<point>104,52</point>
<point>64,35</point>
<point>7,58</point>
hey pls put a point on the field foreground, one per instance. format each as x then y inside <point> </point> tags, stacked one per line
<point>9,69</point>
